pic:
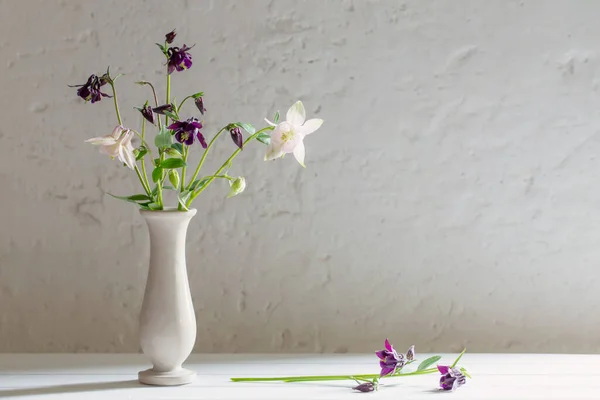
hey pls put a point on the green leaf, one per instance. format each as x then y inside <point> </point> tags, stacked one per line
<point>167,187</point>
<point>247,127</point>
<point>154,206</point>
<point>465,373</point>
<point>141,152</point>
<point>136,198</point>
<point>157,174</point>
<point>162,48</point>
<point>276,119</point>
<point>183,198</point>
<point>458,358</point>
<point>172,115</point>
<point>178,147</point>
<point>199,184</point>
<point>163,139</point>
<point>144,207</point>
<point>170,163</point>
<point>264,138</point>
<point>428,362</point>
<point>196,95</point>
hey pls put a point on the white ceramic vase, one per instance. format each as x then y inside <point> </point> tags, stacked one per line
<point>167,320</point>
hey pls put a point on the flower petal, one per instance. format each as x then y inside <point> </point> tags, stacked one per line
<point>388,346</point>
<point>126,156</point>
<point>443,369</point>
<point>102,141</point>
<point>296,114</point>
<point>310,126</point>
<point>380,354</point>
<point>386,371</point>
<point>273,152</point>
<point>299,153</point>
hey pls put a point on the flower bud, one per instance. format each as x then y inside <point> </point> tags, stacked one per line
<point>174,178</point>
<point>365,387</point>
<point>147,113</point>
<point>169,37</point>
<point>237,186</point>
<point>237,137</point>
<point>410,354</point>
<point>200,104</point>
<point>161,109</point>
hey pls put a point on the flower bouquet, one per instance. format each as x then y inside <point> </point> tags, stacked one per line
<point>167,321</point>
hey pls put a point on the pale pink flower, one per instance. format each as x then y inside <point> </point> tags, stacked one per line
<point>117,145</point>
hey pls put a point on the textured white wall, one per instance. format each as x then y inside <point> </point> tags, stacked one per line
<point>450,198</point>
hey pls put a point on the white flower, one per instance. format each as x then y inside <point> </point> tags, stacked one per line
<point>237,186</point>
<point>288,135</point>
<point>117,144</point>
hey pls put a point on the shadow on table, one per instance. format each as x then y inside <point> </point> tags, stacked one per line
<point>70,388</point>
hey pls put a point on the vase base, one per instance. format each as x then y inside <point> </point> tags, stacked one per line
<point>178,377</point>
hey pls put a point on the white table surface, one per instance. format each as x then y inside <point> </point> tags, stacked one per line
<point>114,376</point>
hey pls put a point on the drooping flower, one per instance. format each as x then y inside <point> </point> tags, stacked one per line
<point>187,131</point>
<point>389,359</point>
<point>452,378</point>
<point>365,387</point>
<point>179,59</point>
<point>117,144</point>
<point>161,109</point>
<point>169,37</point>
<point>90,91</point>
<point>237,186</point>
<point>410,353</point>
<point>147,113</point>
<point>288,136</point>
<point>237,137</point>
<point>200,104</point>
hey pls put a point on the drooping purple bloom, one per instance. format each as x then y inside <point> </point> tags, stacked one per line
<point>200,104</point>
<point>90,91</point>
<point>169,37</point>
<point>237,137</point>
<point>147,113</point>
<point>187,131</point>
<point>452,378</point>
<point>179,59</point>
<point>410,353</point>
<point>161,109</point>
<point>389,359</point>
<point>365,387</point>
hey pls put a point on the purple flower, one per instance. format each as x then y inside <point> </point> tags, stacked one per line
<point>452,378</point>
<point>200,104</point>
<point>236,136</point>
<point>365,387</point>
<point>179,59</point>
<point>389,359</point>
<point>90,91</point>
<point>147,113</point>
<point>410,353</point>
<point>169,37</point>
<point>161,109</point>
<point>186,131</point>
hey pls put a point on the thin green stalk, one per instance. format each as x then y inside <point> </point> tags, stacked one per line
<point>180,104</point>
<point>146,188</point>
<point>112,85</point>
<point>458,358</point>
<point>159,191</point>
<point>168,96</point>
<point>332,377</point>
<point>225,164</point>
<point>183,170</point>
<point>204,157</point>
<point>144,174</point>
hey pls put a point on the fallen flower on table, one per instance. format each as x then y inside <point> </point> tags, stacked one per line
<point>392,365</point>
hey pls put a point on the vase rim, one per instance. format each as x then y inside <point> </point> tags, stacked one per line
<point>169,212</point>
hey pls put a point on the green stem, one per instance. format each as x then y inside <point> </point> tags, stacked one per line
<point>146,188</point>
<point>180,104</point>
<point>458,358</point>
<point>155,102</point>
<point>332,377</point>
<point>204,157</point>
<point>183,170</point>
<point>225,164</point>
<point>112,85</point>
<point>168,96</point>
<point>144,174</point>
